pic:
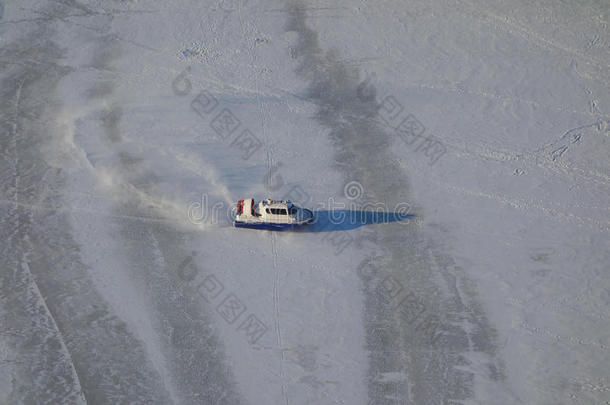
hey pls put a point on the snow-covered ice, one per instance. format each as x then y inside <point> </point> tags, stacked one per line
<point>131,128</point>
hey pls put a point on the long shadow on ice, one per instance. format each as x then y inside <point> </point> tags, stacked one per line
<point>345,220</point>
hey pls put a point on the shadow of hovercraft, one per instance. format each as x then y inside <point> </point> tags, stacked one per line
<point>345,220</point>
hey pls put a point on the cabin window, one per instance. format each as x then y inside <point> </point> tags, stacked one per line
<point>277,211</point>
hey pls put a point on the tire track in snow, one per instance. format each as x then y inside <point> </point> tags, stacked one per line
<point>268,142</point>
<point>276,306</point>
<point>422,371</point>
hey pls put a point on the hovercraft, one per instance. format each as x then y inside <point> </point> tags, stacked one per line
<point>271,215</point>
